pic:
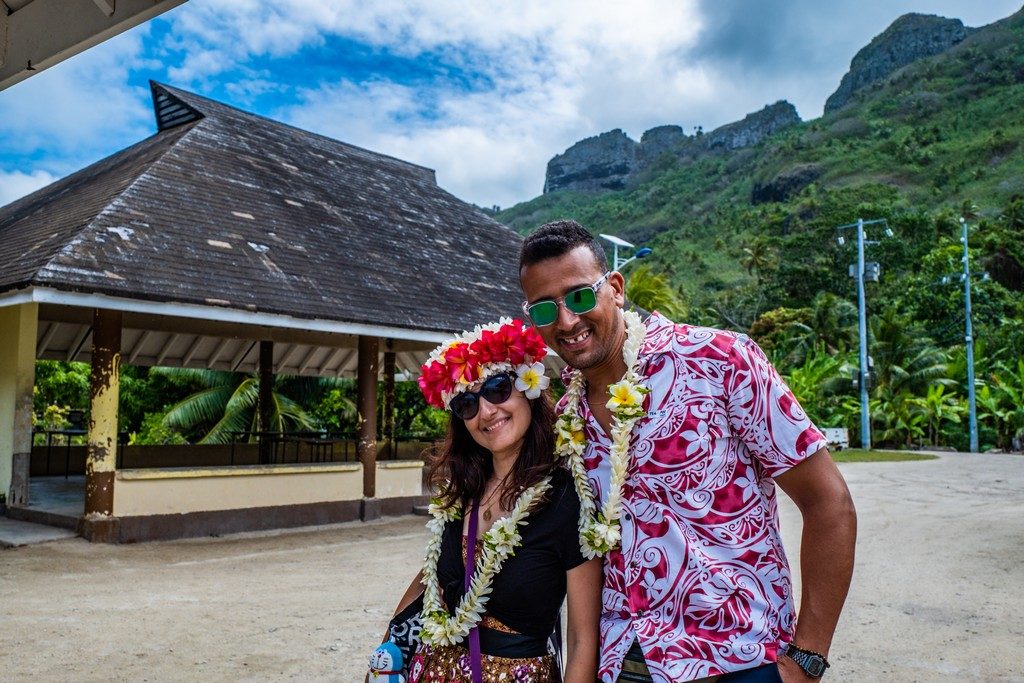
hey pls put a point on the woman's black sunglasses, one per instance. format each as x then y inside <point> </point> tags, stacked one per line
<point>495,389</point>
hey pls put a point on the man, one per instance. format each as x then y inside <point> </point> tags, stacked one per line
<point>698,587</point>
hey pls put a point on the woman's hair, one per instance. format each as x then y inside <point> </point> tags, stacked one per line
<point>461,467</point>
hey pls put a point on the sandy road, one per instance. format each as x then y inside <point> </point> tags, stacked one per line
<point>937,596</point>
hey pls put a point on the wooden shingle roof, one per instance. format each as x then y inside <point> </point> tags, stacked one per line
<point>227,209</point>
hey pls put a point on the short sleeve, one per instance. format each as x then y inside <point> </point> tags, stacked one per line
<point>567,510</point>
<point>764,413</point>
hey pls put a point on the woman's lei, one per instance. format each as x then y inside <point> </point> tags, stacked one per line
<point>499,543</point>
<point>601,532</point>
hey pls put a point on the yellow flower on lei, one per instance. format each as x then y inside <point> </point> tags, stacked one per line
<point>626,397</point>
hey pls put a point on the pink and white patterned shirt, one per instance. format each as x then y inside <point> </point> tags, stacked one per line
<point>701,580</point>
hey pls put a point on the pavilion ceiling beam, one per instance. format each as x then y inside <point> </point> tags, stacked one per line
<point>236,362</point>
<point>45,32</point>
<point>192,350</point>
<point>166,349</point>
<point>343,363</point>
<point>76,345</point>
<point>329,361</point>
<point>216,353</point>
<point>106,6</point>
<point>286,357</point>
<point>137,349</point>
<point>304,363</point>
<point>44,343</point>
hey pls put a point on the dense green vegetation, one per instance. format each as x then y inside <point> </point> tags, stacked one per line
<point>940,140</point>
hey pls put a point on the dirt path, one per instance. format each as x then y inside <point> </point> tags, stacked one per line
<point>937,595</point>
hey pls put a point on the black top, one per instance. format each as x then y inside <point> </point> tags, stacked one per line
<point>528,591</point>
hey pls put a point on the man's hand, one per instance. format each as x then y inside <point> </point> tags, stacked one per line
<point>790,672</point>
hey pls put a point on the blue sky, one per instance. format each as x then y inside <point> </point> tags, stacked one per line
<point>483,92</point>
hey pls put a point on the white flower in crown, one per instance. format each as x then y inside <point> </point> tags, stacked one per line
<point>531,380</point>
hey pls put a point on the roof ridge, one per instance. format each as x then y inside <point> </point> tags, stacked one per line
<point>172,90</point>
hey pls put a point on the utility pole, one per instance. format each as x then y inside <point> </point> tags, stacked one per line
<point>862,319</point>
<point>969,340</point>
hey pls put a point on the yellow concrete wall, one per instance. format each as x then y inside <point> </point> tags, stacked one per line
<point>399,478</point>
<point>17,375</point>
<point>170,491</point>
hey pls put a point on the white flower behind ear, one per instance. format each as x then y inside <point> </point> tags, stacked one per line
<point>531,380</point>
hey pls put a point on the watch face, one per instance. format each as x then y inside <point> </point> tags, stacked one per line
<point>815,667</point>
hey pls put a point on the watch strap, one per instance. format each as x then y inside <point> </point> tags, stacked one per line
<point>812,663</point>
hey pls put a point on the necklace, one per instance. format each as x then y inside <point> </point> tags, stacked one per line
<point>500,542</point>
<point>600,531</point>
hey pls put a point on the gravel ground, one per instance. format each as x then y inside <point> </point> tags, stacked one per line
<point>937,593</point>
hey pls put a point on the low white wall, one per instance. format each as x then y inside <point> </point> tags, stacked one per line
<point>141,492</point>
<point>399,478</point>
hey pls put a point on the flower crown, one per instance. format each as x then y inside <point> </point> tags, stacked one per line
<point>504,346</point>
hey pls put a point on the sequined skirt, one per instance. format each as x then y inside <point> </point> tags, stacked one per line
<point>450,664</point>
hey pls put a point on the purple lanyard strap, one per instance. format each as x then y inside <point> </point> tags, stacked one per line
<point>474,635</point>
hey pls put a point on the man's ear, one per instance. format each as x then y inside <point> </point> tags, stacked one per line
<point>618,285</point>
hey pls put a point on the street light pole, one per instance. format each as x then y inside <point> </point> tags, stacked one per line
<point>969,341</point>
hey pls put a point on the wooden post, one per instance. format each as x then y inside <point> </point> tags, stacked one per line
<point>18,326</point>
<point>101,452</point>
<point>265,401</point>
<point>388,408</point>
<point>366,384</point>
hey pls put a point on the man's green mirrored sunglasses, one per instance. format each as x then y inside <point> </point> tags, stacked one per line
<point>578,301</point>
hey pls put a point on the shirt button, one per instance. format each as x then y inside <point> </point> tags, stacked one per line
<point>629,517</point>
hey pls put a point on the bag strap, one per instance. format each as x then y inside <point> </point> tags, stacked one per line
<point>474,634</point>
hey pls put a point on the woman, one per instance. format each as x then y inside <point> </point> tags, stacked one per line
<point>505,500</point>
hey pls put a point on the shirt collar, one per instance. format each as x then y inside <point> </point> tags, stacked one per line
<point>657,339</point>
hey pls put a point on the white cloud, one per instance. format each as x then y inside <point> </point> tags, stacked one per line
<point>17,184</point>
<point>76,112</point>
<point>557,72</point>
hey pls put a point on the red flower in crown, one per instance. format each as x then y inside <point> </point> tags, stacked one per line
<point>432,382</point>
<point>461,363</point>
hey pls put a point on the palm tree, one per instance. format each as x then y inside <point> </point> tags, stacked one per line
<point>833,323</point>
<point>758,257</point>
<point>652,292</point>
<point>905,359</point>
<point>229,403</point>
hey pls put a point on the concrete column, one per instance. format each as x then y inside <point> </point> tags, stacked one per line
<point>18,326</point>
<point>388,408</point>
<point>264,405</point>
<point>366,385</point>
<point>101,453</point>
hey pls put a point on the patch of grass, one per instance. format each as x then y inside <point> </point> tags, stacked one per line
<point>857,455</point>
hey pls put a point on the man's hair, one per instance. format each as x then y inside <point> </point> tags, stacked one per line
<point>558,238</point>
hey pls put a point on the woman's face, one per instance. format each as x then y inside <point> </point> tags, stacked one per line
<point>501,428</point>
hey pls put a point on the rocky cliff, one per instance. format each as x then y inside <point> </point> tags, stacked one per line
<point>608,161</point>
<point>603,162</point>
<point>908,39</point>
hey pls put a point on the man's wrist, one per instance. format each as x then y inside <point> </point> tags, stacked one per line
<point>812,663</point>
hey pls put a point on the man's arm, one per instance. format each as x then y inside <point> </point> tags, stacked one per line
<point>826,549</point>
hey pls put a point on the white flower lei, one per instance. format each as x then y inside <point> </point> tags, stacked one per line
<point>499,543</point>
<point>602,532</point>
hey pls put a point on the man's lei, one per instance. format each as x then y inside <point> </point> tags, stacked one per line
<point>602,532</point>
<point>499,543</point>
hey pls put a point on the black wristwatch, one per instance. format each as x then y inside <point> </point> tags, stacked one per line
<point>812,663</point>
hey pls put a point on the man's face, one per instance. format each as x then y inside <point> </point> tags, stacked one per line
<point>585,340</point>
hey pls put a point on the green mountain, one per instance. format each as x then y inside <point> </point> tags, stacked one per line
<point>743,231</point>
